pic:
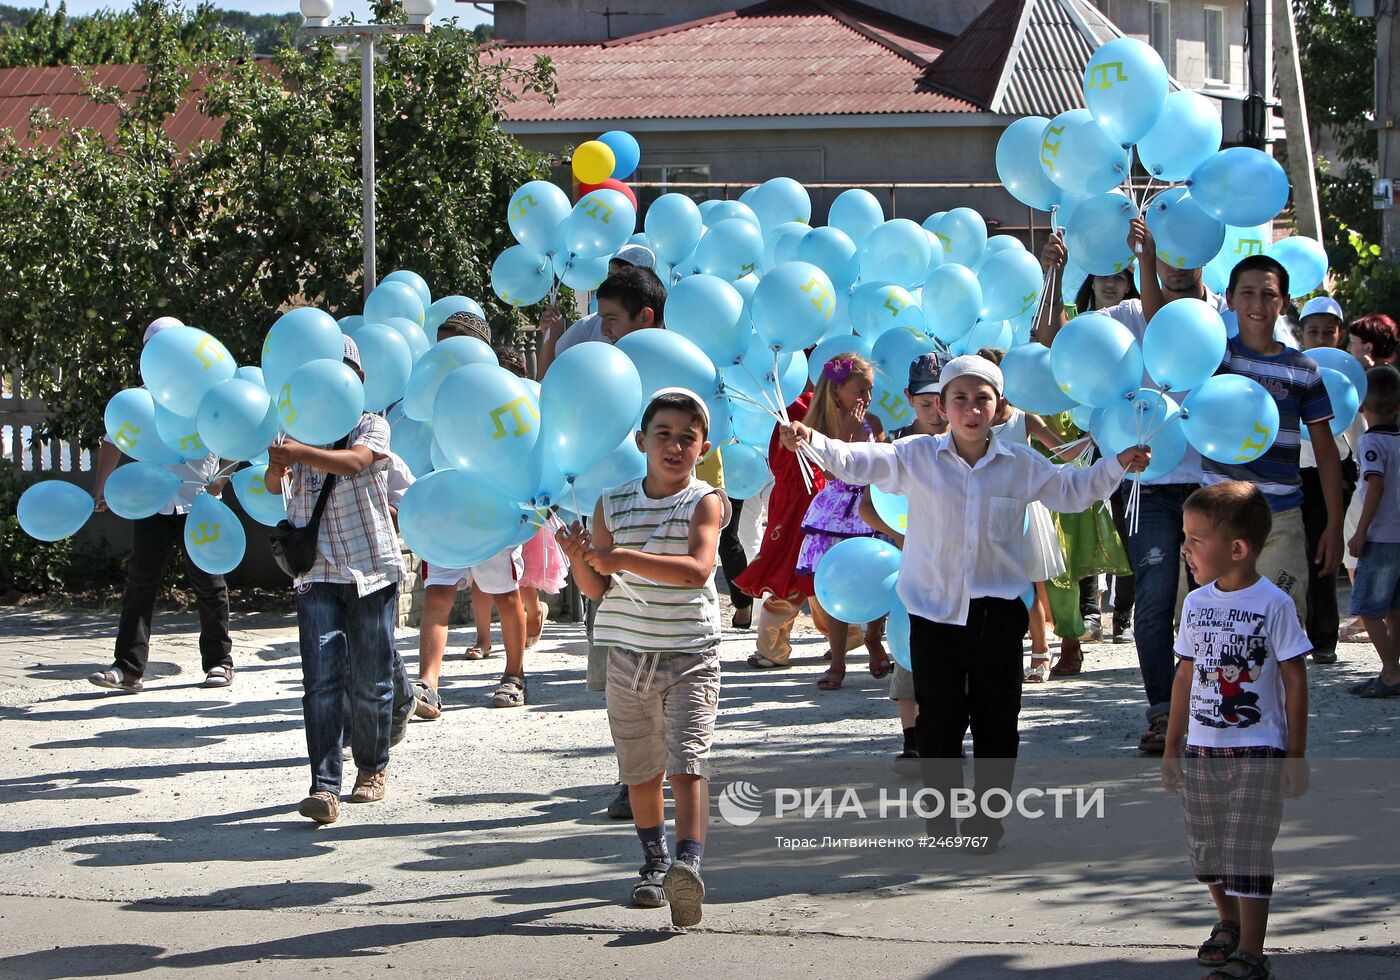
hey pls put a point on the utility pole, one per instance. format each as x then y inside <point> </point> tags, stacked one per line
<point>1387,110</point>
<point>1295,120</point>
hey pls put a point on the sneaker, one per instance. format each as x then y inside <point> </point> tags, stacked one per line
<point>114,679</point>
<point>1122,632</point>
<point>649,892</point>
<point>685,893</point>
<point>1324,656</point>
<point>1093,629</point>
<point>621,806</point>
<point>369,786</point>
<point>321,806</point>
<point>427,703</point>
<point>218,677</point>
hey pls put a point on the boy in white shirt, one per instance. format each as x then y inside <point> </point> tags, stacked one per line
<point>1241,680</point>
<point>963,572</point>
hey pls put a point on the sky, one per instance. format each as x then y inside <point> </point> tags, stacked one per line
<point>465,13</point>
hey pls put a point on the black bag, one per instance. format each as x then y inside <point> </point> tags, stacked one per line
<point>294,548</point>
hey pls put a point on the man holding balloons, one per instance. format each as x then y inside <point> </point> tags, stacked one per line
<point>556,336</point>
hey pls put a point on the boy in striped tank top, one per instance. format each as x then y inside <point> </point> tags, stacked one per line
<point>649,556</point>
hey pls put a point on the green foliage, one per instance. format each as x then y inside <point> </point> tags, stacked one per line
<point>51,37</point>
<point>102,238</point>
<point>26,565</point>
<point>266,32</point>
<point>1370,285</point>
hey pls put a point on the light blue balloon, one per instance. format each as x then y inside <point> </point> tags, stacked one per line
<point>579,273</point>
<point>590,398</point>
<point>412,440</point>
<point>996,334</point>
<point>488,422</point>
<point>412,333</point>
<point>1098,236</point>
<point>1018,164</point>
<point>718,405</point>
<point>348,326</point>
<point>139,490</point>
<point>673,226</point>
<point>1185,135</point>
<point>733,249</point>
<point>254,374</point>
<point>438,313</point>
<point>1081,415</point>
<point>535,213</point>
<point>898,251</point>
<point>1187,237</point>
<point>214,537</point>
<point>665,359</point>
<point>780,200</point>
<point>1230,418</point>
<point>130,419</point>
<point>1029,381</point>
<point>237,420</point>
<point>622,464</point>
<point>936,255</point>
<point>1168,446</point>
<point>963,233</point>
<point>893,509</point>
<point>832,251</point>
<point>259,503</point>
<point>708,311</point>
<point>451,518</point>
<point>1011,280</point>
<point>1345,403</point>
<point>831,346</point>
<point>386,361</point>
<point>897,634</point>
<point>756,374</point>
<point>1095,359</point>
<point>1215,278</point>
<point>627,152</point>
<point>600,224</point>
<point>430,370</point>
<point>1240,186</point>
<point>1130,420</point>
<point>855,580</point>
<point>1125,88</point>
<point>1340,360</point>
<point>413,281</point>
<point>1241,242</point>
<point>321,402</point>
<point>952,302</point>
<point>793,305</point>
<point>1184,344</point>
<point>180,364</point>
<point>888,404</point>
<point>298,337</point>
<point>1305,260</point>
<point>521,276</point>
<point>857,212</point>
<point>745,471</point>
<point>750,426</point>
<point>780,244</point>
<point>391,299</point>
<point>1080,157</point>
<point>52,509</point>
<point>877,307</point>
<point>716,211</point>
<point>439,457</point>
<point>895,350</point>
<point>181,434</point>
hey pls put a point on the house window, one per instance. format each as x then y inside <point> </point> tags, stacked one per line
<point>1103,8</point>
<point>673,177</point>
<point>1159,29</point>
<point>1217,67</point>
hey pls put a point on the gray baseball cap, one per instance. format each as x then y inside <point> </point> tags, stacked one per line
<point>925,372</point>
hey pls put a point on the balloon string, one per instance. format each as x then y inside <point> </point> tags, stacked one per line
<point>803,464</point>
<point>622,586</point>
<point>773,407</point>
<point>1165,422</point>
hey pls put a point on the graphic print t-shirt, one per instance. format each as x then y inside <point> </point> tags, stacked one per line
<point>1235,642</point>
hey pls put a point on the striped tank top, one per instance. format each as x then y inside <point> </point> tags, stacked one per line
<point>675,618</point>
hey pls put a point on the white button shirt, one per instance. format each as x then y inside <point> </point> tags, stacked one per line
<point>965,522</point>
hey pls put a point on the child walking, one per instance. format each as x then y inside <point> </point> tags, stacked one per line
<point>1375,597</point>
<point>963,570</point>
<point>1241,680</point>
<point>648,558</point>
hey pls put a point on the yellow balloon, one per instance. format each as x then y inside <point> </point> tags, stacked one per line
<point>593,162</point>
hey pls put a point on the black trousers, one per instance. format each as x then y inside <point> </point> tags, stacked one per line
<point>152,539</point>
<point>970,677</point>
<point>1324,619</point>
<point>732,558</point>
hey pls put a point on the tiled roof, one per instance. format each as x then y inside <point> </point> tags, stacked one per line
<point>780,58</point>
<point>63,93</point>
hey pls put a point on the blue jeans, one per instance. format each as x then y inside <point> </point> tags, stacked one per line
<point>1155,553</point>
<point>347,646</point>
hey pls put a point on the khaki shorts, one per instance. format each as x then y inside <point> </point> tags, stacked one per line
<point>662,709</point>
<point>901,684</point>
<point>1284,559</point>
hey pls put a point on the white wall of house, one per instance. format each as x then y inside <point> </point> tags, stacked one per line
<point>1184,45</point>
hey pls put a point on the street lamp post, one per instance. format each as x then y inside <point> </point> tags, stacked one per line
<point>316,13</point>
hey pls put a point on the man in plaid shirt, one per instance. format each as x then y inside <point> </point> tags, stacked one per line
<point>346,605</point>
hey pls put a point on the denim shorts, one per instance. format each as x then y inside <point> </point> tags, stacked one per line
<point>1376,590</point>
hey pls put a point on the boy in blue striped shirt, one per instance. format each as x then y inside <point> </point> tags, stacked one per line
<point>1258,293</point>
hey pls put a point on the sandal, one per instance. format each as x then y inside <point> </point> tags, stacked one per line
<point>115,680</point>
<point>1222,948</point>
<point>477,652</point>
<point>1039,670</point>
<point>1069,663</point>
<point>759,662</point>
<point>510,693</point>
<point>427,703</point>
<point>746,622</point>
<point>831,680</point>
<point>1255,968</point>
<point>219,677</point>
<point>1377,688</point>
<point>544,617</point>
<point>1355,632</point>
<point>1154,740</point>
<point>880,665</point>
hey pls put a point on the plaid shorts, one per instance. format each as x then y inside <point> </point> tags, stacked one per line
<point>1234,805</point>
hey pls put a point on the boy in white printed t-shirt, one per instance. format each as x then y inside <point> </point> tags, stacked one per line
<point>1375,596</point>
<point>1241,681</point>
